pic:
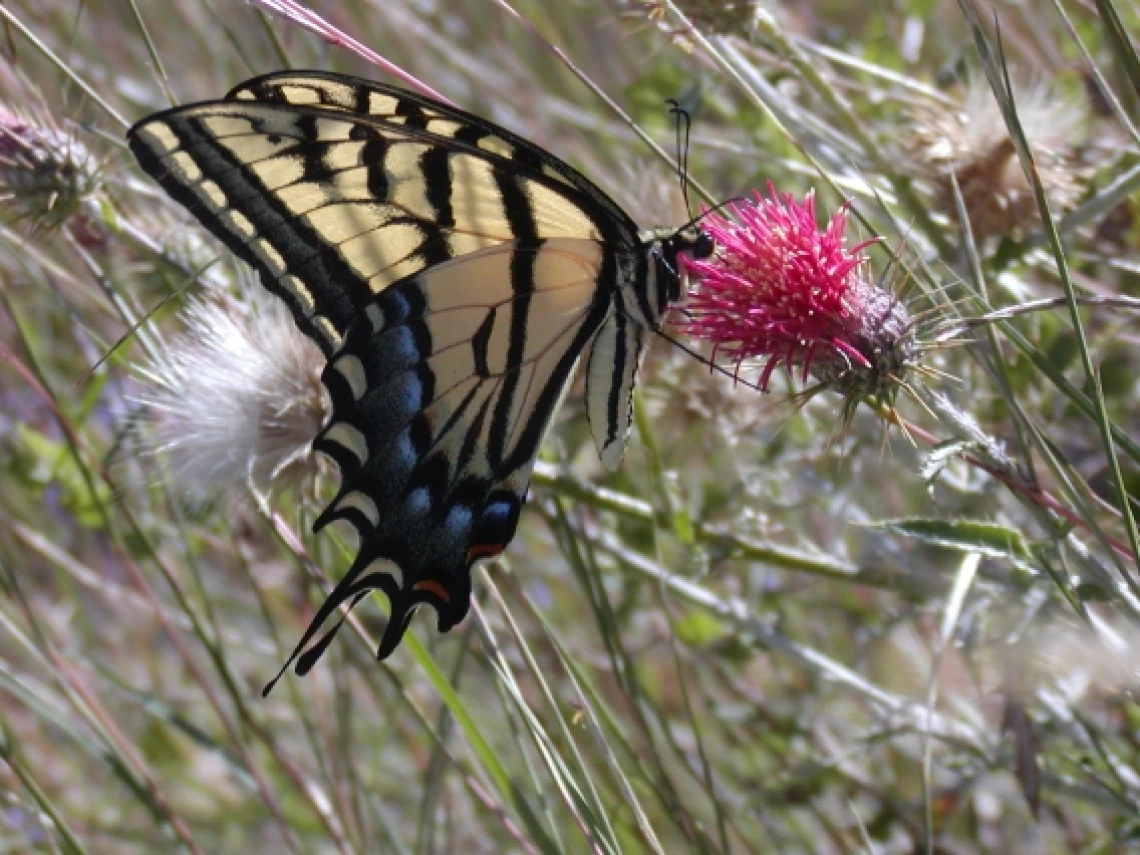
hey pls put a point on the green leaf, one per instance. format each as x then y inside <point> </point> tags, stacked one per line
<point>989,539</point>
<point>109,214</point>
<point>50,463</point>
<point>1117,36</point>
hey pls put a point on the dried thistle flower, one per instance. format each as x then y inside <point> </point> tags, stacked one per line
<point>780,290</point>
<point>45,172</point>
<point>712,17</point>
<point>236,399</point>
<point>970,140</point>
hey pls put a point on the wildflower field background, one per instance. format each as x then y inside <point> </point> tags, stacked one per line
<point>830,623</point>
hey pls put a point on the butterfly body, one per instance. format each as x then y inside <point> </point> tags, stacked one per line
<point>453,274</point>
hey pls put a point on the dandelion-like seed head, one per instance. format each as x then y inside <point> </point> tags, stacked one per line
<point>236,399</point>
<point>45,172</point>
<point>782,291</point>
<point>969,141</point>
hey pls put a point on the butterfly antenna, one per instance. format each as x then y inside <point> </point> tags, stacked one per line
<point>684,128</point>
<point>719,206</point>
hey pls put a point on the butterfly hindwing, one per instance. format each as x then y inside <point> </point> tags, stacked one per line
<point>436,425</point>
<point>611,374</point>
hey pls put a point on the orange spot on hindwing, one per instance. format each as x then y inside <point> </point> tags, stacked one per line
<point>432,587</point>
<point>484,550</point>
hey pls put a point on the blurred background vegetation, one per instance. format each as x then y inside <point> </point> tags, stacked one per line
<point>763,634</point>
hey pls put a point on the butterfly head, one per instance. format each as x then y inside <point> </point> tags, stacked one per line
<point>669,245</point>
<point>693,240</point>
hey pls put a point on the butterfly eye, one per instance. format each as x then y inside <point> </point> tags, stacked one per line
<point>704,246</point>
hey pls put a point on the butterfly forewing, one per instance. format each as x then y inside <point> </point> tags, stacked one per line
<point>411,111</point>
<point>451,272</point>
<point>331,210</point>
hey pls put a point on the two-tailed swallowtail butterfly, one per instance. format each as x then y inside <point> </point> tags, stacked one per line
<point>452,273</point>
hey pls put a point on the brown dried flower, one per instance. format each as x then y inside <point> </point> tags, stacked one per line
<point>969,140</point>
<point>712,17</point>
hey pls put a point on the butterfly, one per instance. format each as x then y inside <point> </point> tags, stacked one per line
<point>453,274</point>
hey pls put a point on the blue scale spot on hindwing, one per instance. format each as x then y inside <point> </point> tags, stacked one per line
<point>419,501</point>
<point>394,349</point>
<point>396,307</point>
<point>458,519</point>
<point>385,411</point>
<point>404,451</point>
<point>409,392</point>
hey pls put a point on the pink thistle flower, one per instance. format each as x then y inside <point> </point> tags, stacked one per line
<point>780,290</point>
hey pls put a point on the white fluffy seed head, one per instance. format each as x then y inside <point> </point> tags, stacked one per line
<point>235,400</point>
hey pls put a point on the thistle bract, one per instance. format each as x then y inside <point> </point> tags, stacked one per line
<point>45,173</point>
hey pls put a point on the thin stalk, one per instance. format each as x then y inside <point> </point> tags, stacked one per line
<point>42,47</point>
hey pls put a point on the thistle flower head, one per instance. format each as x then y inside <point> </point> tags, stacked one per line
<point>969,141</point>
<point>236,399</point>
<point>45,172</point>
<point>780,290</point>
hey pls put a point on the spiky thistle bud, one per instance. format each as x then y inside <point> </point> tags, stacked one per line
<point>45,172</point>
<point>969,140</point>
<point>781,291</point>
<point>236,399</point>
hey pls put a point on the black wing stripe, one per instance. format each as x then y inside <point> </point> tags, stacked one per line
<point>333,286</point>
<point>517,209</point>
<point>436,166</point>
<point>525,447</point>
<point>649,315</point>
<point>621,355</point>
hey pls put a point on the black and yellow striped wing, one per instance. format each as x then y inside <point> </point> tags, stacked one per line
<point>452,273</point>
